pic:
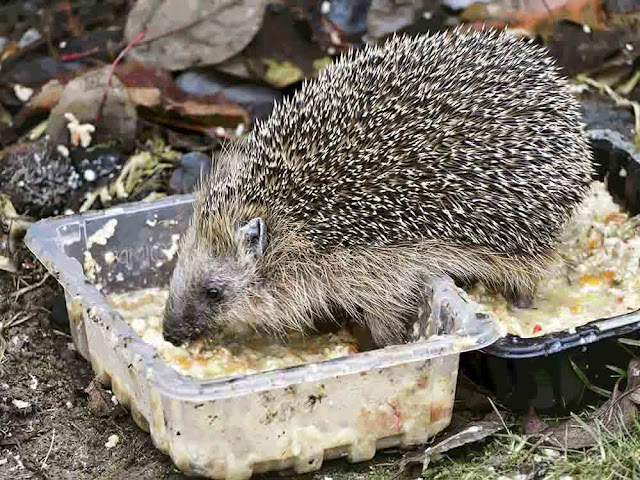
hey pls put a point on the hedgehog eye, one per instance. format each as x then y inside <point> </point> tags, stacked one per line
<point>214,293</point>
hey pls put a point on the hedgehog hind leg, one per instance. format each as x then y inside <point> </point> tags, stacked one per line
<point>521,298</point>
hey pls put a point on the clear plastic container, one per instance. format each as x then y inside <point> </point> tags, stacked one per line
<point>288,419</point>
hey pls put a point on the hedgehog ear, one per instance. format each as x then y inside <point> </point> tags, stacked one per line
<point>253,236</point>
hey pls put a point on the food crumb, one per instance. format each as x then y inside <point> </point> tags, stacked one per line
<point>112,441</point>
<point>20,404</point>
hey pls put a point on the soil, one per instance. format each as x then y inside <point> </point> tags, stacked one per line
<point>57,436</point>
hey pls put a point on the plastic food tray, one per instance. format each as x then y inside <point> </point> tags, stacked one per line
<point>232,427</point>
<point>539,372</point>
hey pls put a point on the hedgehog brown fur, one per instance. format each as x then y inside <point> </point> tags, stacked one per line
<point>459,153</point>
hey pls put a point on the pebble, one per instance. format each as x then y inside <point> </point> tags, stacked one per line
<point>187,174</point>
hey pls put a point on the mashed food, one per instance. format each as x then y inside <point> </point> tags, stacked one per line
<point>219,357</point>
<point>599,276</point>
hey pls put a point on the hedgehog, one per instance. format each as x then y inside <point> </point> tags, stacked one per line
<point>458,153</point>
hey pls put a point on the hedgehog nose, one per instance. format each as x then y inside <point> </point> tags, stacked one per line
<point>173,336</point>
<point>175,332</point>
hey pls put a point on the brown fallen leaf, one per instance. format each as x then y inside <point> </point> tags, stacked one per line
<point>152,87</point>
<point>616,413</point>
<point>536,16</point>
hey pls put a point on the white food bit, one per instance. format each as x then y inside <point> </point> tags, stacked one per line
<point>30,36</point>
<point>139,325</point>
<point>114,400</point>
<point>112,441</point>
<point>63,150</point>
<point>622,172</point>
<point>80,134</point>
<point>34,383</point>
<point>325,8</point>
<point>90,175</point>
<point>23,93</point>
<point>103,234</point>
<point>427,15</point>
<point>173,249</point>
<point>69,405</point>
<point>90,266</point>
<point>109,258</point>
<point>629,47</point>
<point>586,29</point>
<point>63,44</point>
<point>20,404</point>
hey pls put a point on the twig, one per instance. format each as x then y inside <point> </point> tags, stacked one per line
<point>204,18</point>
<point>17,294</point>
<point>113,68</point>
<point>70,57</point>
<point>43,465</point>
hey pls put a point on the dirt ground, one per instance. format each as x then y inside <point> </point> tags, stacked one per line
<point>57,436</point>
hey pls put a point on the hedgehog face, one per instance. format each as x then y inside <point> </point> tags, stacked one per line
<point>209,293</point>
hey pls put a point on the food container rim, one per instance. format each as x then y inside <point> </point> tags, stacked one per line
<point>44,241</point>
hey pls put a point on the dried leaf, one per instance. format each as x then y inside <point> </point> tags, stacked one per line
<point>100,403</point>
<point>537,16</point>
<point>180,35</point>
<point>152,87</point>
<point>282,74</point>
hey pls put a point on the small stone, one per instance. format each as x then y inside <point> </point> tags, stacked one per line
<point>187,174</point>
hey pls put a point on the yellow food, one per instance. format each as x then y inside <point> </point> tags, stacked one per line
<point>220,357</point>
<point>598,278</point>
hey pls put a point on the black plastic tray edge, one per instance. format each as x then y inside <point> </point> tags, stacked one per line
<point>558,342</point>
<point>589,333</point>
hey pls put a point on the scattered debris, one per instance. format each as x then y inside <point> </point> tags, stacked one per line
<point>23,93</point>
<point>82,97</point>
<point>112,441</point>
<point>80,134</point>
<point>20,404</point>
<point>100,403</point>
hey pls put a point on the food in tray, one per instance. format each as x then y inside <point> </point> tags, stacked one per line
<point>219,357</point>
<point>598,278</point>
